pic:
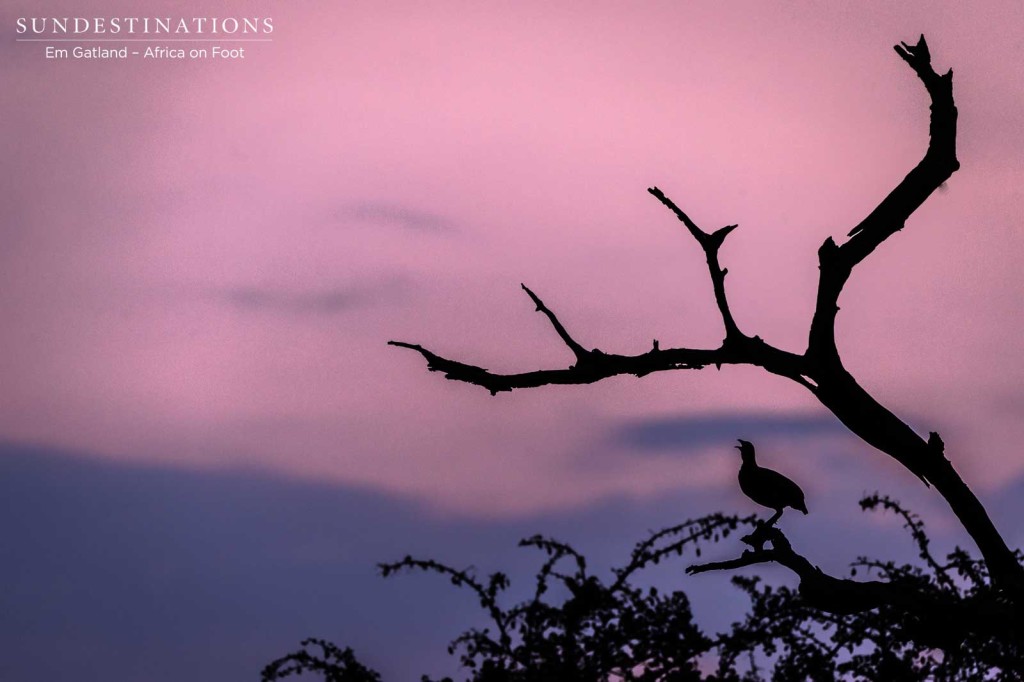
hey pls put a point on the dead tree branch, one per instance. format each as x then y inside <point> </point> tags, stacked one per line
<point>594,365</point>
<point>942,620</point>
<point>710,243</point>
<point>819,368</point>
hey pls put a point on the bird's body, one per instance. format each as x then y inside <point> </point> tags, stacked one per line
<point>766,487</point>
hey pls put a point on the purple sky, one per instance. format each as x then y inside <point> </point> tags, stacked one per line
<point>201,264</point>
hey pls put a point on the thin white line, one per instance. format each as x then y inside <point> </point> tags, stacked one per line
<point>143,40</point>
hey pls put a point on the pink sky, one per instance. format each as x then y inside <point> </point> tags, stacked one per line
<point>202,263</point>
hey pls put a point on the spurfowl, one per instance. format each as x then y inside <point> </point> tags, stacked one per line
<point>766,487</point>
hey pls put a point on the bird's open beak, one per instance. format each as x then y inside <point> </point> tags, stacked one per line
<point>738,447</point>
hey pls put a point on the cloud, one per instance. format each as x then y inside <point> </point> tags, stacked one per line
<point>323,302</point>
<point>396,215</point>
<point>213,574</point>
<point>693,432</point>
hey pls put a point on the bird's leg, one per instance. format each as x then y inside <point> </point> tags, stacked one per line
<point>762,532</point>
<point>758,537</point>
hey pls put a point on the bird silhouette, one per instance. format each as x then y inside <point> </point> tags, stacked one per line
<point>766,487</point>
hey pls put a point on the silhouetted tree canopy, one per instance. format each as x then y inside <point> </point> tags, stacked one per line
<point>578,626</point>
<point>945,618</point>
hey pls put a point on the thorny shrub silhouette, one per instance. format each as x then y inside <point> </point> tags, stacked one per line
<point>598,629</point>
<point>960,618</point>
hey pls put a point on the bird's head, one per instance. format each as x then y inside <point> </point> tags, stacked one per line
<point>746,449</point>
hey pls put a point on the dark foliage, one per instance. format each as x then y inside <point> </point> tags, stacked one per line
<point>579,627</point>
<point>332,663</point>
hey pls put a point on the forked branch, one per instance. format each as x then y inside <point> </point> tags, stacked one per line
<point>836,262</point>
<point>710,243</point>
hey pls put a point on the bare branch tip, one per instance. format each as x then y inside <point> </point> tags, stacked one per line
<point>533,296</point>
